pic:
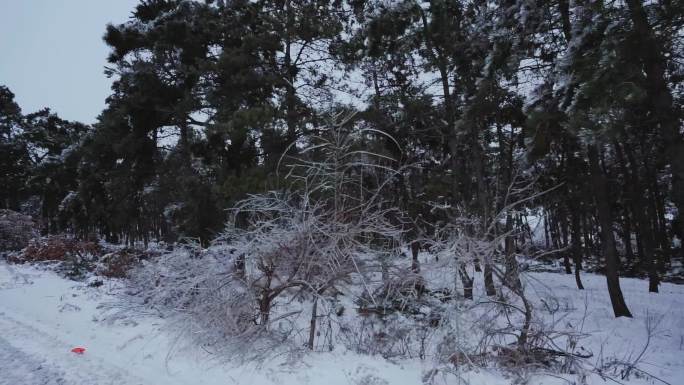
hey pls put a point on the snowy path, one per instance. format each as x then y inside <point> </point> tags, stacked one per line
<point>42,317</point>
<point>25,354</point>
<point>33,351</point>
<point>21,368</point>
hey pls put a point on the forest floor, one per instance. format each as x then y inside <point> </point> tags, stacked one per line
<point>43,316</point>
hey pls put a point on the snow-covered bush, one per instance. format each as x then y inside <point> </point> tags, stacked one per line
<point>403,291</point>
<point>118,263</point>
<point>391,336</point>
<point>16,230</point>
<point>506,327</point>
<point>283,257</point>
<point>200,290</point>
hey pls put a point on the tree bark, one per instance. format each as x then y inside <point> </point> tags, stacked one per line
<point>563,223</point>
<point>415,263</point>
<point>466,280</point>
<point>490,289</point>
<point>511,275</point>
<point>576,247</point>
<point>607,238</point>
<point>637,188</point>
<point>588,242</point>
<point>312,327</point>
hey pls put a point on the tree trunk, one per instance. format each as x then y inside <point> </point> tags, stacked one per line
<point>607,238</point>
<point>588,242</point>
<point>415,263</point>
<point>264,308</point>
<point>576,248</point>
<point>663,238</point>
<point>466,280</point>
<point>563,223</point>
<point>265,300</point>
<point>290,71</point>
<point>490,289</point>
<point>564,10</point>
<point>511,274</point>
<point>637,188</point>
<point>312,327</point>
<point>240,266</point>
<point>546,230</point>
<point>573,207</point>
<point>627,235</point>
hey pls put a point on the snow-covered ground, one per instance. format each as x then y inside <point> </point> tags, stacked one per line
<point>43,316</point>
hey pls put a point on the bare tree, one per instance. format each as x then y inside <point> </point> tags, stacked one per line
<point>309,238</point>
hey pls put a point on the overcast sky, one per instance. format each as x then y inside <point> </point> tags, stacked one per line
<point>52,53</point>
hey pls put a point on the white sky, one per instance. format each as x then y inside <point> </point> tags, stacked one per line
<point>52,53</point>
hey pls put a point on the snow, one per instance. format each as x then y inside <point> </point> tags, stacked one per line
<point>43,316</point>
<point>623,338</point>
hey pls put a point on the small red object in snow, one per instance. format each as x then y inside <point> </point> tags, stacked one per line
<point>78,350</point>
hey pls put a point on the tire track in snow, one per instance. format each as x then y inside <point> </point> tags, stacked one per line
<point>17,367</point>
<point>29,353</point>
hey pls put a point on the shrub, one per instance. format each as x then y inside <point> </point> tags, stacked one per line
<point>277,264</point>
<point>118,264</point>
<point>202,293</point>
<point>59,248</point>
<point>16,230</point>
<point>75,258</point>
